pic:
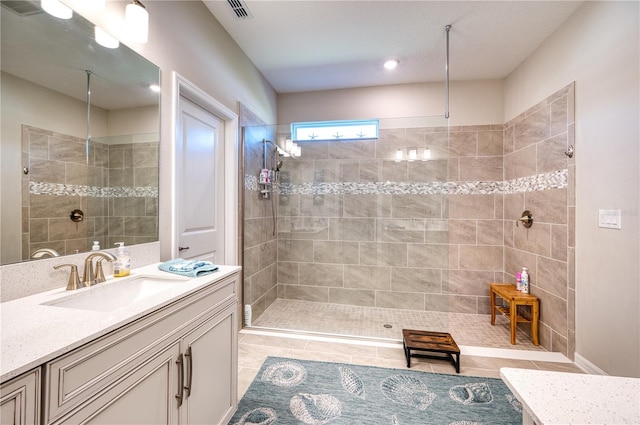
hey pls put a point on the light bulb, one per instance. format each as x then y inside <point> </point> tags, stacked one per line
<point>56,8</point>
<point>137,21</point>
<point>154,88</point>
<point>391,64</point>
<point>105,40</point>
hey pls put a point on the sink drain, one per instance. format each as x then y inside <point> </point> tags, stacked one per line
<point>387,325</point>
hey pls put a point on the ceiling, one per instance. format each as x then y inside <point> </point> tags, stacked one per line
<point>308,45</point>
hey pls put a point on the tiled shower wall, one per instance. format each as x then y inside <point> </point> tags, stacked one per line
<point>116,188</point>
<point>259,245</point>
<point>356,227</point>
<point>535,143</point>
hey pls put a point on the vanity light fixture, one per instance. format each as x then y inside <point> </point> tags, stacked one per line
<point>105,40</point>
<point>391,64</point>
<point>137,21</point>
<point>412,155</point>
<point>56,8</point>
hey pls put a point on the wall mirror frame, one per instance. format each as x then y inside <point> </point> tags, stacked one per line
<point>79,138</point>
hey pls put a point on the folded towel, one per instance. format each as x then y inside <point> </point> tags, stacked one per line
<point>189,268</point>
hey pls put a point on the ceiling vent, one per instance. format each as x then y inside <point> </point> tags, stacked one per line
<point>240,9</point>
<point>23,8</point>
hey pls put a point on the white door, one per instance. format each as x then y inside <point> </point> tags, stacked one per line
<point>200,183</point>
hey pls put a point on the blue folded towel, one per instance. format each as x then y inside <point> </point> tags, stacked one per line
<point>189,268</point>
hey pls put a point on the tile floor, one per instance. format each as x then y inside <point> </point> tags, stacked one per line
<point>466,329</point>
<point>485,360</point>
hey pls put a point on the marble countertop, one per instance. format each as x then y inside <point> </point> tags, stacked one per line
<point>574,398</point>
<point>32,332</point>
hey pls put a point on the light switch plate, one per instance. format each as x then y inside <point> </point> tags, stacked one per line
<point>610,219</point>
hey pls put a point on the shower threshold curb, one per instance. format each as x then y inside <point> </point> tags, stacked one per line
<point>502,353</point>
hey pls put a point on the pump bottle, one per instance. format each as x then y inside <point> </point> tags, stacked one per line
<point>122,265</point>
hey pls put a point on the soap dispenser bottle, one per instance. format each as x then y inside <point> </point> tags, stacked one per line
<point>524,284</point>
<point>122,265</point>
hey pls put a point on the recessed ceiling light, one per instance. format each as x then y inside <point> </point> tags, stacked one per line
<point>391,63</point>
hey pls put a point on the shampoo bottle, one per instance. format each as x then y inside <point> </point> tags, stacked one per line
<point>96,246</point>
<point>524,285</point>
<point>122,265</point>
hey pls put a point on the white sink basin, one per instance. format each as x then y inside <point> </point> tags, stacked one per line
<point>112,295</point>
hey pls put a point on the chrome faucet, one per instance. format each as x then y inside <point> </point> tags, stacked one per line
<point>89,277</point>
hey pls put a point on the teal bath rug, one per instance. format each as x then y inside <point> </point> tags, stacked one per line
<point>288,391</point>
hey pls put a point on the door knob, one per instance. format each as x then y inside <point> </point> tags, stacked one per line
<point>183,248</point>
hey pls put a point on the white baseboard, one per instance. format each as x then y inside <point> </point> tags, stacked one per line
<point>587,366</point>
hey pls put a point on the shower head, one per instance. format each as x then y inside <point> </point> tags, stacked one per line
<point>278,165</point>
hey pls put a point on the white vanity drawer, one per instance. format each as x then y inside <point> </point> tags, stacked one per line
<point>76,376</point>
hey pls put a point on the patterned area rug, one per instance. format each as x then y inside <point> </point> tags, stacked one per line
<point>288,391</point>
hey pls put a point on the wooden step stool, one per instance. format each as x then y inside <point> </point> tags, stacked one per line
<point>426,341</point>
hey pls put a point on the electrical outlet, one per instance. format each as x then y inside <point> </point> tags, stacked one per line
<point>610,219</point>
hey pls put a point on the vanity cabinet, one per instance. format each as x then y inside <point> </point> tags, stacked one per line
<point>177,365</point>
<point>20,400</point>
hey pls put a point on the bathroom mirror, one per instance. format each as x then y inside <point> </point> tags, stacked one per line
<point>73,174</point>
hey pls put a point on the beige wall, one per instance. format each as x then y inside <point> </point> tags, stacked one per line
<point>598,48</point>
<point>185,38</point>
<point>471,103</point>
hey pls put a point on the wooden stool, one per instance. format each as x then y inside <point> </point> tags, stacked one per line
<point>437,342</point>
<point>509,293</point>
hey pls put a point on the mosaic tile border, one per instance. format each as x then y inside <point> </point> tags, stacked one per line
<point>41,188</point>
<point>547,181</point>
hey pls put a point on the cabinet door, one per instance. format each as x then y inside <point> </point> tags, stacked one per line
<point>211,370</point>
<point>146,395</point>
<point>20,400</point>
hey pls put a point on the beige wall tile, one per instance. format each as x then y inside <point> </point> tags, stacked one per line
<point>352,229</point>
<point>481,257</point>
<point>551,275</point>
<point>400,230</point>
<point>360,297</point>
<point>462,231</point>
<point>486,168</point>
<point>532,129</point>
<point>471,206</point>
<point>306,293</point>
<point>469,282</point>
<point>490,143</point>
<point>383,254</point>
<point>336,252</point>
<point>416,280</point>
<point>314,274</point>
<point>428,256</point>
<point>548,206</point>
<point>367,277</point>
<point>490,232</point>
<point>400,300</point>
<point>295,250</point>
<point>378,206</point>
